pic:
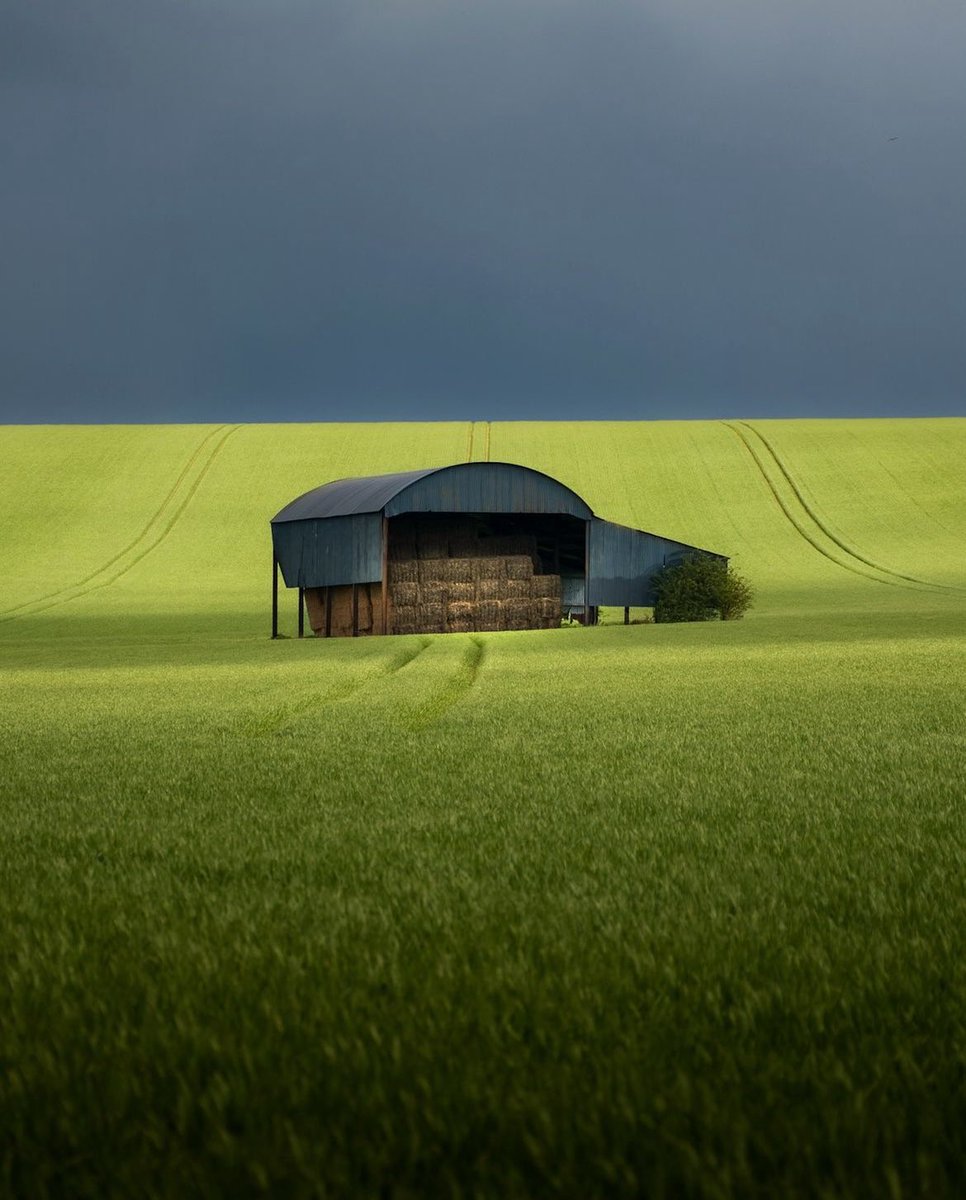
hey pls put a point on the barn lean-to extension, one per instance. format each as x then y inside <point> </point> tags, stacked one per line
<point>472,546</point>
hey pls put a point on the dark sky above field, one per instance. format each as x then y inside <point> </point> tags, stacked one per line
<point>419,209</point>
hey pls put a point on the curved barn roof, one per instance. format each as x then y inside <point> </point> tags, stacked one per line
<point>458,487</point>
<point>349,497</point>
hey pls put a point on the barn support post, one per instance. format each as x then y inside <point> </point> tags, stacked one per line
<point>274,596</point>
<point>385,573</point>
<point>586,573</point>
<point>301,612</point>
<point>328,612</point>
<point>355,610</point>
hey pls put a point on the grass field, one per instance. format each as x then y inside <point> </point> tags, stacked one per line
<point>659,910</point>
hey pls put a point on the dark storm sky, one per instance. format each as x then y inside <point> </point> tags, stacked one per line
<point>315,210</point>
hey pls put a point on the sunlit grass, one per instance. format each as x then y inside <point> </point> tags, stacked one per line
<point>664,910</point>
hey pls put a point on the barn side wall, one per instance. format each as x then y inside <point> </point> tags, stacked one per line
<point>329,551</point>
<point>623,561</point>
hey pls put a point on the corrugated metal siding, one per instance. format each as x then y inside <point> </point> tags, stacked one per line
<point>330,550</point>
<point>488,488</point>
<point>572,591</point>
<point>622,561</point>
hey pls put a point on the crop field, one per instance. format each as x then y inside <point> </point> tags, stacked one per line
<point>659,910</point>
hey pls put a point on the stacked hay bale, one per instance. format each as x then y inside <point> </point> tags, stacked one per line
<point>472,594</point>
<point>404,596</point>
<point>444,578</point>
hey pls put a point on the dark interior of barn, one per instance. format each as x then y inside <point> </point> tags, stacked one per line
<point>557,541</point>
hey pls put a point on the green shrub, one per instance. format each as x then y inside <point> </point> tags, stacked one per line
<point>700,588</point>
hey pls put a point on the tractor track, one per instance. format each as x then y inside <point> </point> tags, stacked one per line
<point>855,562</point>
<point>81,588</point>
<point>422,717</point>
<point>460,683</point>
<point>829,533</point>
<point>282,724</point>
<point>483,428</point>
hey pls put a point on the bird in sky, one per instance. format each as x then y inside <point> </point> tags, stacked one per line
<point>895,139</point>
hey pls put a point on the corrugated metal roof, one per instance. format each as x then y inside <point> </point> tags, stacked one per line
<point>349,497</point>
<point>513,487</point>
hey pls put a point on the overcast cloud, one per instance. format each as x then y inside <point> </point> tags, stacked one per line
<point>230,209</point>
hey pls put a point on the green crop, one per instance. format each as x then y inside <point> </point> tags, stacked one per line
<point>666,910</point>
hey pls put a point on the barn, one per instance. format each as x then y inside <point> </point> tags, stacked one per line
<point>471,546</point>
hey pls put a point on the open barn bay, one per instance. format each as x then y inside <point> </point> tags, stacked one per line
<point>663,910</point>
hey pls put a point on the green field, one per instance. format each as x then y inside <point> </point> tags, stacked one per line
<point>665,910</point>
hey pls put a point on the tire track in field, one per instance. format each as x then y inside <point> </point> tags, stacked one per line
<point>479,438</point>
<point>459,683</point>
<point>91,583</point>
<point>152,520</point>
<point>829,533</point>
<point>281,723</point>
<point>801,529</point>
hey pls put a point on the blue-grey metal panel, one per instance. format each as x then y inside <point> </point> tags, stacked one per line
<point>347,497</point>
<point>463,487</point>
<point>487,488</point>
<point>623,560</point>
<point>329,551</point>
<point>572,591</point>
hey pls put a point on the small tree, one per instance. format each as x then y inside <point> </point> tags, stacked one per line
<point>700,588</point>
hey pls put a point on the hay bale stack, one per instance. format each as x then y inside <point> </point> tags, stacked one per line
<point>461,591</point>
<point>546,586</point>
<point>518,566</point>
<point>433,570</point>
<point>460,616</point>
<point>490,589</point>
<point>404,572</point>
<point>404,594</point>
<point>490,568</point>
<point>548,611</point>
<point>430,618</point>
<point>433,592</point>
<point>513,545</point>
<point>460,570</point>
<point>517,589</point>
<point>517,614</point>
<point>489,616</point>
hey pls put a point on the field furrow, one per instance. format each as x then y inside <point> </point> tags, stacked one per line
<point>820,522</point>
<point>804,520</point>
